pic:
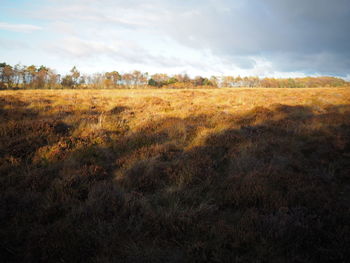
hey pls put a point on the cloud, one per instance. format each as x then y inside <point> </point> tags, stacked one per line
<point>81,48</point>
<point>233,37</point>
<point>25,28</point>
<point>277,30</point>
<point>120,51</point>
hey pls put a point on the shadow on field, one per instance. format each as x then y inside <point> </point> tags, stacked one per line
<point>272,186</point>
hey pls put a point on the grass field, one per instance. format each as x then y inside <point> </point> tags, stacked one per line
<point>219,175</point>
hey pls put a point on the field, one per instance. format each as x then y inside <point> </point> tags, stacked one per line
<point>219,175</point>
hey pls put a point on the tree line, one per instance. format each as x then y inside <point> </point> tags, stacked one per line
<point>33,77</point>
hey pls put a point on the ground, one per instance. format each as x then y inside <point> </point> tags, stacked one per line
<point>220,175</point>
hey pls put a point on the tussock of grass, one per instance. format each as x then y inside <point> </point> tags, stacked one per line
<point>175,176</point>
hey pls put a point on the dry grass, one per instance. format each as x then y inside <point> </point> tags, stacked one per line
<point>257,175</point>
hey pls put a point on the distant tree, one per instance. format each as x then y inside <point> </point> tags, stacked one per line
<point>112,79</point>
<point>116,77</point>
<point>17,75</point>
<point>198,81</point>
<point>127,79</point>
<point>160,77</point>
<point>52,79</point>
<point>214,81</point>
<point>96,80</point>
<point>7,75</point>
<point>207,82</point>
<point>153,83</point>
<point>182,78</point>
<point>138,78</point>
<point>253,82</point>
<point>71,80</point>
<point>2,76</point>
<point>107,80</point>
<point>41,77</point>
<point>67,81</point>
<point>228,81</point>
<point>33,77</point>
<point>172,80</point>
<point>82,80</point>
<point>31,73</point>
<point>75,74</point>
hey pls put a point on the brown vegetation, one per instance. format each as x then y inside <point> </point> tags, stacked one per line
<point>220,175</point>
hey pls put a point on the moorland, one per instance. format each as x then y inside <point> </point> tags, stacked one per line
<point>165,175</point>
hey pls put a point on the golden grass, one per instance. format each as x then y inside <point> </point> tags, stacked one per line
<point>237,175</point>
<point>152,105</point>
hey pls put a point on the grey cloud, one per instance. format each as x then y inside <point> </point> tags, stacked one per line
<point>278,29</point>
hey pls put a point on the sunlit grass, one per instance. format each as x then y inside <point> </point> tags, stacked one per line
<point>144,175</point>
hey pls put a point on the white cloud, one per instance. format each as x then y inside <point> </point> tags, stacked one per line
<point>25,28</point>
<point>81,48</point>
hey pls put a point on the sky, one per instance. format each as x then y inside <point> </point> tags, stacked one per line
<point>265,38</point>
